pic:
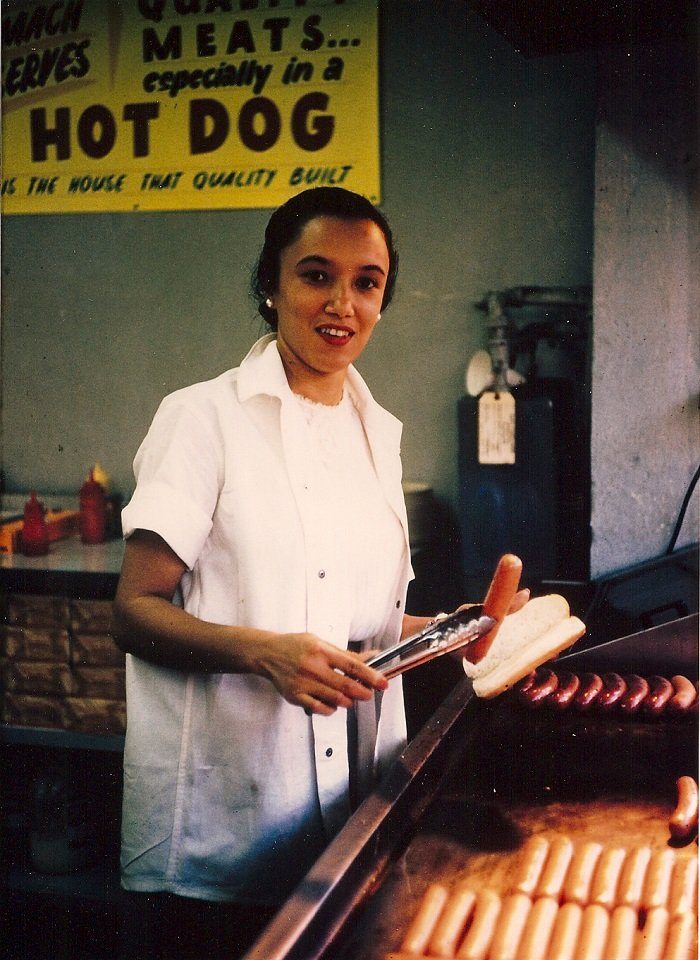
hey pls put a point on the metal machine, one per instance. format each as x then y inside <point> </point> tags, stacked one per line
<point>536,503</point>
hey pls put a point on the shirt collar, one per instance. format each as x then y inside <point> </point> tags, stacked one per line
<point>262,372</point>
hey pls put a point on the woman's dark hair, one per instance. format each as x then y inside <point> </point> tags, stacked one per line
<point>287,222</point>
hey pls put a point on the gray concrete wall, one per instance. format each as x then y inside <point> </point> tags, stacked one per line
<point>645,432</point>
<point>487,164</point>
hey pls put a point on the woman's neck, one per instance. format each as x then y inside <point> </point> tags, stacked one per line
<point>325,388</point>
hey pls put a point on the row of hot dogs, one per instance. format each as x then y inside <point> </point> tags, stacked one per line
<point>627,695</point>
<point>568,901</point>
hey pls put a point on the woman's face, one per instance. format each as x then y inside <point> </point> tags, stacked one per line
<point>331,285</point>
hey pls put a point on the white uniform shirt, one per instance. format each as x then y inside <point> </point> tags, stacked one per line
<point>230,792</point>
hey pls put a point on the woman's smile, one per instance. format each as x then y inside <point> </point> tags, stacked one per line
<point>336,336</point>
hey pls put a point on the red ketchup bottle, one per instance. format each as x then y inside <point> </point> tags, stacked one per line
<point>35,536</point>
<point>93,511</point>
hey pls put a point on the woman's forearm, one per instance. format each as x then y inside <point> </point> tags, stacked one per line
<point>307,671</point>
<point>156,630</point>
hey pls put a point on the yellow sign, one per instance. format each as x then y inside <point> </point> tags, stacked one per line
<point>112,105</point>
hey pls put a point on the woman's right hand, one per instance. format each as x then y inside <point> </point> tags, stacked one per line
<point>310,673</point>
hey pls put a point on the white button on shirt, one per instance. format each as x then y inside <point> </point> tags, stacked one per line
<point>230,792</point>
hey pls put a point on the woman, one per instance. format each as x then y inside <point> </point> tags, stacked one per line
<point>266,535</point>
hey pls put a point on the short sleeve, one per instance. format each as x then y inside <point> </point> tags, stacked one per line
<point>179,472</point>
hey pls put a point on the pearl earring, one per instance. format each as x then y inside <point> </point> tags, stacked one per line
<point>268,303</point>
<point>379,316</point>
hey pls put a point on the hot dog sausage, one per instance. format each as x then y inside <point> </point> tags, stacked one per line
<point>569,684</point>
<point>561,850</point>
<point>681,937</point>
<point>532,861</point>
<point>621,933</point>
<point>684,695</point>
<point>566,932</point>
<point>580,873</point>
<point>683,822</point>
<point>607,875</point>
<point>658,879</point>
<point>614,688</point>
<point>546,682</point>
<point>527,682</point>
<point>453,919</point>
<point>497,602</point>
<point>682,895</point>
<point>421,927</point>
<point>509,930</point>
<point>634,870</point>
<point>652,937</point>
<point>594,932</point>
<point>538,929</point>
<point>475,945</point>
<point>591,685</point>
<point>660,692</point>
<point>637,691</point>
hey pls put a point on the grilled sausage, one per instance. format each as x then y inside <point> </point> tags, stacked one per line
<point>594,932</point>
<point>546,682</point>
<point>509,930</point>
<point>660,692</point>
<point>475,945</point>
<point>591,685</point>
<point>453,919</point>
<point>580,873</point>
<point>621,933</point>
<point>538,929</point>
<point>681,937</point>
<point>561,850</point>
<point>526,682</point>
<point>563,696</point>
<point>683,822</point>
<point>421,927</point>
<point>658,879</point>
<point>634,870</point>
<point>637,691</point>
<point>682,895</point>
<point>532,861</point>
<point>684,695</point>
<point>652,937</point>
<point>614,688</point>
<point>566,932</point>
<point>607,875</point>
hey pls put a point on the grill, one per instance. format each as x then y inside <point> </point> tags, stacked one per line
<point>474,784</point>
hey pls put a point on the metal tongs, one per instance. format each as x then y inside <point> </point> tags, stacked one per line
<point>443,636</point>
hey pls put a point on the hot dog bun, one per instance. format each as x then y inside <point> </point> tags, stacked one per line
<point>525,640</point>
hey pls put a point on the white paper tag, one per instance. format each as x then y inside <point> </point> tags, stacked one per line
<point>496,427</point>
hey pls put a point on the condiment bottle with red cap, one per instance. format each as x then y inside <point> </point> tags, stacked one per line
<point>35,535</point>
<point>92,511</point>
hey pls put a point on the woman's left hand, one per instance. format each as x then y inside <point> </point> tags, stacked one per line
<point>518,602</point>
